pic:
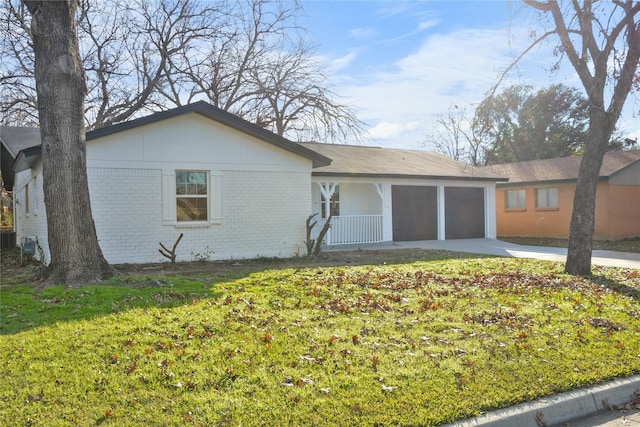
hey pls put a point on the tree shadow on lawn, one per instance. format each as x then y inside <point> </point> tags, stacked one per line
<point>25,305</point>
<point>617,287</point>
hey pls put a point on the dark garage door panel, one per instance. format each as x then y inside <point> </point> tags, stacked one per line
<point>415,212</point>
<point>464,212</point>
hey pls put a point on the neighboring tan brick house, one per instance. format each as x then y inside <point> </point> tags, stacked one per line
<point>240,191</point>
<point>538,198</point>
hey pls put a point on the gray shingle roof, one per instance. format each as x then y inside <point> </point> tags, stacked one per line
<point>16,139</point>
<point>561,168</point>
<point>13,140</point>
<point>366,161</point>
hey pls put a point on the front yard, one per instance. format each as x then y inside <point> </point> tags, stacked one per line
<point>423,339</point>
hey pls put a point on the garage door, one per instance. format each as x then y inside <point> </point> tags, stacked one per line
<point>464,212</point>
<point>415,212</point>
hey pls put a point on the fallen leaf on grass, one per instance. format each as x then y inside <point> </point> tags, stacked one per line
<point>309,358</point>
<point>304,381</point>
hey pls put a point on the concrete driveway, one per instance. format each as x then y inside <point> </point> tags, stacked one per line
<point>498,247</point>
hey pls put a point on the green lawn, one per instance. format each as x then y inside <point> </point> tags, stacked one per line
<point>413,343</point>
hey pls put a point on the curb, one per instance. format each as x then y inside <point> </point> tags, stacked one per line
<point>560,408</point>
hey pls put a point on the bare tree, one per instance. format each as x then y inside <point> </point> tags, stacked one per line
<point>129,52</point>
<point>76,257</point>
<point>246,57</point>
<point>258,70</point>
<point>295,100</point>
<point>458,137</point>
<point>135,53</point>
<point>18,96</point>
<point>601,40</point>
<point>519,124</point>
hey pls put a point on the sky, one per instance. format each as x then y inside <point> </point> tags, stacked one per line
<point>403,64</point>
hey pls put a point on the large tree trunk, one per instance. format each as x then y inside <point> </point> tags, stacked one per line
<point>76,257</point>
<point>584,202</point>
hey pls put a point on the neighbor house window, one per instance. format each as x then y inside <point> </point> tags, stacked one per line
<point>192,195</point>
<point>334,203</point>
<point>515,199</point>
<point>546,198</point>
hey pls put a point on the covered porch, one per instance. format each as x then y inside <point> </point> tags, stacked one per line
<point>363,211</point>
<point>356,210</point>
<point>383,195</point>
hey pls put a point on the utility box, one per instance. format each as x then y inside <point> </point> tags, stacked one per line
<point>29,246</point>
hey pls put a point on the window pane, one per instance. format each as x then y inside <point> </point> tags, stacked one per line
<point>515,199</point>
<point>181,188</point>
<point>334,203</point>
<point>546,197</point>
<point>192,200</point>
<point>190,182</point>
<point>553,197</point>
<point>192,208</point>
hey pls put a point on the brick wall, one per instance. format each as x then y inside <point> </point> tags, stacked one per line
<point>617,213</point>
<point>623,210</point>
<point>263,214</point>
<point>531,221</point>
<point>31,224</point>
<point>127,210</point>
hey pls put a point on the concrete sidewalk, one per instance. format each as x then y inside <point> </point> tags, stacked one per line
<point>628,418</point>
<point>587,407</point>
<point>498,247</point>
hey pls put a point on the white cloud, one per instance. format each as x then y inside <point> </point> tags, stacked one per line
<point>362,33</point>
<point>457,67</point>
<point>424,25</point>
<point>391,129</point>
<point>386,130</point>
<point>337,64</point>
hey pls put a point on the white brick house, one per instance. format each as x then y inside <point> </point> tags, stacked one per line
<point>236,190</point>
<point>230,187</point>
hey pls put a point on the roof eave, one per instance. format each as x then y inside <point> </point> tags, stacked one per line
<point>404,176</point>
<point>547,182</point>
<point>27,158</point>
<point>624,168</point>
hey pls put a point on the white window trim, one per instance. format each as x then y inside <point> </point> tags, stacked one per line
<point>169,200</point>
<point>194,196</point>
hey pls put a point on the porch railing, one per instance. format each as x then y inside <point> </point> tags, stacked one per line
<point>355,229</point>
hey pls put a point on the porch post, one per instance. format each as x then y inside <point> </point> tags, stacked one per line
<point>490,212</point>
<point>327,189</point>
<point>387,212</point>
<point>378,186</point>
<point>441,214</point>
